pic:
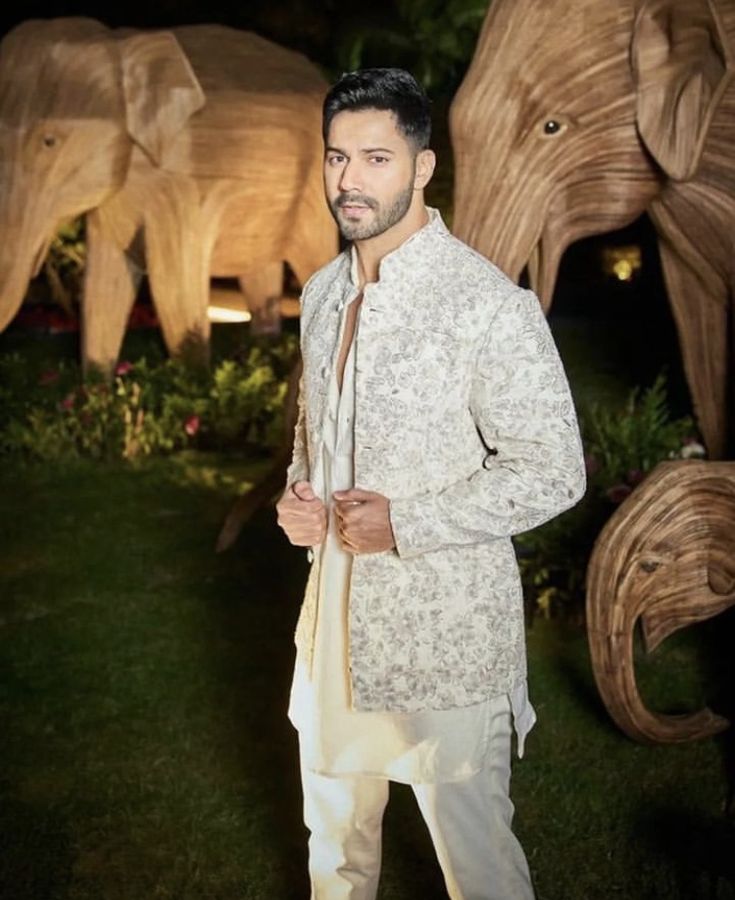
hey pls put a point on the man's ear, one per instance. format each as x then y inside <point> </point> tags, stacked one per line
<point>425,165</point>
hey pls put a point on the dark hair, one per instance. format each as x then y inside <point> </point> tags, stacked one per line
<point>392,89</point>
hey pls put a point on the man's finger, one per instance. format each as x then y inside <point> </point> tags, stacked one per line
<point>303,490</point>
<point>354,495</point>
<point>345,508</point>
<point>347,511</point>
<point>346,541</point>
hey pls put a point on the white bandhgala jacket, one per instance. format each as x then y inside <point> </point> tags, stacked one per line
<point>464,420</point>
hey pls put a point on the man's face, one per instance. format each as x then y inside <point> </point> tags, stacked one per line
<point>369,172</point>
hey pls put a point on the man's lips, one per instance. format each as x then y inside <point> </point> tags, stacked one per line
<point>354,210</point>
<point>355,206</point>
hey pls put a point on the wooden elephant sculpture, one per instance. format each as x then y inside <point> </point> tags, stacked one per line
<point>194,152</point>
<point>666,557</point>
<point>574,118</point>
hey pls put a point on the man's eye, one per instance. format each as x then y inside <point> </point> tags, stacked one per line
<point>335,160</point>
<point>379,159</point>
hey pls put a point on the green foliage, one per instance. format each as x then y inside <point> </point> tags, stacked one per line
<point>146,409</point>
<point>622,446</point>
<point>257,400</point>
<point>553,561</point>
<point>433,39</point>
<point>64,264</point>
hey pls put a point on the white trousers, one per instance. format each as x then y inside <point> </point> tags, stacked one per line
<point>469,822</point>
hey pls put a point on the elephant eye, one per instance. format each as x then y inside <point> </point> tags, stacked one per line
<point>49,140</point>
<point>551,126</point>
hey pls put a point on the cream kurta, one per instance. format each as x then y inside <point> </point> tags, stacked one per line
<point>427,746</point>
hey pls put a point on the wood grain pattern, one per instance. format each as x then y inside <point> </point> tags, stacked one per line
<point>575,117</point>
<point>196,150</point>
<point>666,558</point>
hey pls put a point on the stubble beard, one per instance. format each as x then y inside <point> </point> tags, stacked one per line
<point>384,219</point>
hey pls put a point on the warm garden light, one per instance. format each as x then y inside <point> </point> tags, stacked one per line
<point>623,270</point>
<point>223,314</point>
<point>623,263</point>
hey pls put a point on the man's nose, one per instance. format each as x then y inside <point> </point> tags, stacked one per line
<point>350,178</point>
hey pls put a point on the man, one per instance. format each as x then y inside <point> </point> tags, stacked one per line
<point>435,422</point>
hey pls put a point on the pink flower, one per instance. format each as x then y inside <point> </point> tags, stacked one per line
<point>68,402</point>
<point>50,376</point>
<point>618,492</point>
<point>634,477</point>
<point>591,464</point>
<point>191,425</point>
<point>123,368</point>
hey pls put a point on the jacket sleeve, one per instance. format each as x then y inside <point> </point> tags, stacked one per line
<point>298,470</point>
<point>523,410</point>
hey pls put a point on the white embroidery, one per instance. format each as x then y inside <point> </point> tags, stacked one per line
<point>464,420</point>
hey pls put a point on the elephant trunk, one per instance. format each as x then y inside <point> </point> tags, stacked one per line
<point>21,256</point>
<point>611,647</point>
<point>514,240</point>
<point>665,557</point>
<point>502,212</point>
<point>26,226</point>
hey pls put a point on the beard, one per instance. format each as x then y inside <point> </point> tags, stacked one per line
<point>385,216</point>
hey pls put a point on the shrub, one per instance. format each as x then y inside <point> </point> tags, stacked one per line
<point>621,447</point>
<point>433,39</point>
<point>145,409</point>
<point>64,265</point>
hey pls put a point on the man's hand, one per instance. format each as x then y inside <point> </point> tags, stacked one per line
<point>302,515</point>
<point>363,521</point>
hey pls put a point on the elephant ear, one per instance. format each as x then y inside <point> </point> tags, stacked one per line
<point>681,64</point>
<point>160,88</point>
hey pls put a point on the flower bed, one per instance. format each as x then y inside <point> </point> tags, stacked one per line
<point>145,409</point>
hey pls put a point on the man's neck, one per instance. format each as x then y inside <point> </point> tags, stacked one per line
<point>371,252</point>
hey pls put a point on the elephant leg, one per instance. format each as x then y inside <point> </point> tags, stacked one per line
<point>178,248</point>
<point>110,286</point>
<point>701,313</point>
<point>262,289</point>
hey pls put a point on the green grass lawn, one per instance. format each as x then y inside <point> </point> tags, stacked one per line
<point>144,743</point>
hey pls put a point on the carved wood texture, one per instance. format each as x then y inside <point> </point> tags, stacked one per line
<point>198,149</point>
<point>574,118</point>
<point>666,559</point>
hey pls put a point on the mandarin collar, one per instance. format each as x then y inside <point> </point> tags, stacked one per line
<point>410,247</point>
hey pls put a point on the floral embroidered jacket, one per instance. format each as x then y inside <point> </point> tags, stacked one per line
<point>464,420</point>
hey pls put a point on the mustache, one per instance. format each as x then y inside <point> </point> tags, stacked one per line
<point>348,199</point>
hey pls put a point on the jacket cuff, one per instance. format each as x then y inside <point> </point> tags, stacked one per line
<point>297,471</point>
<point>406,517</point>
